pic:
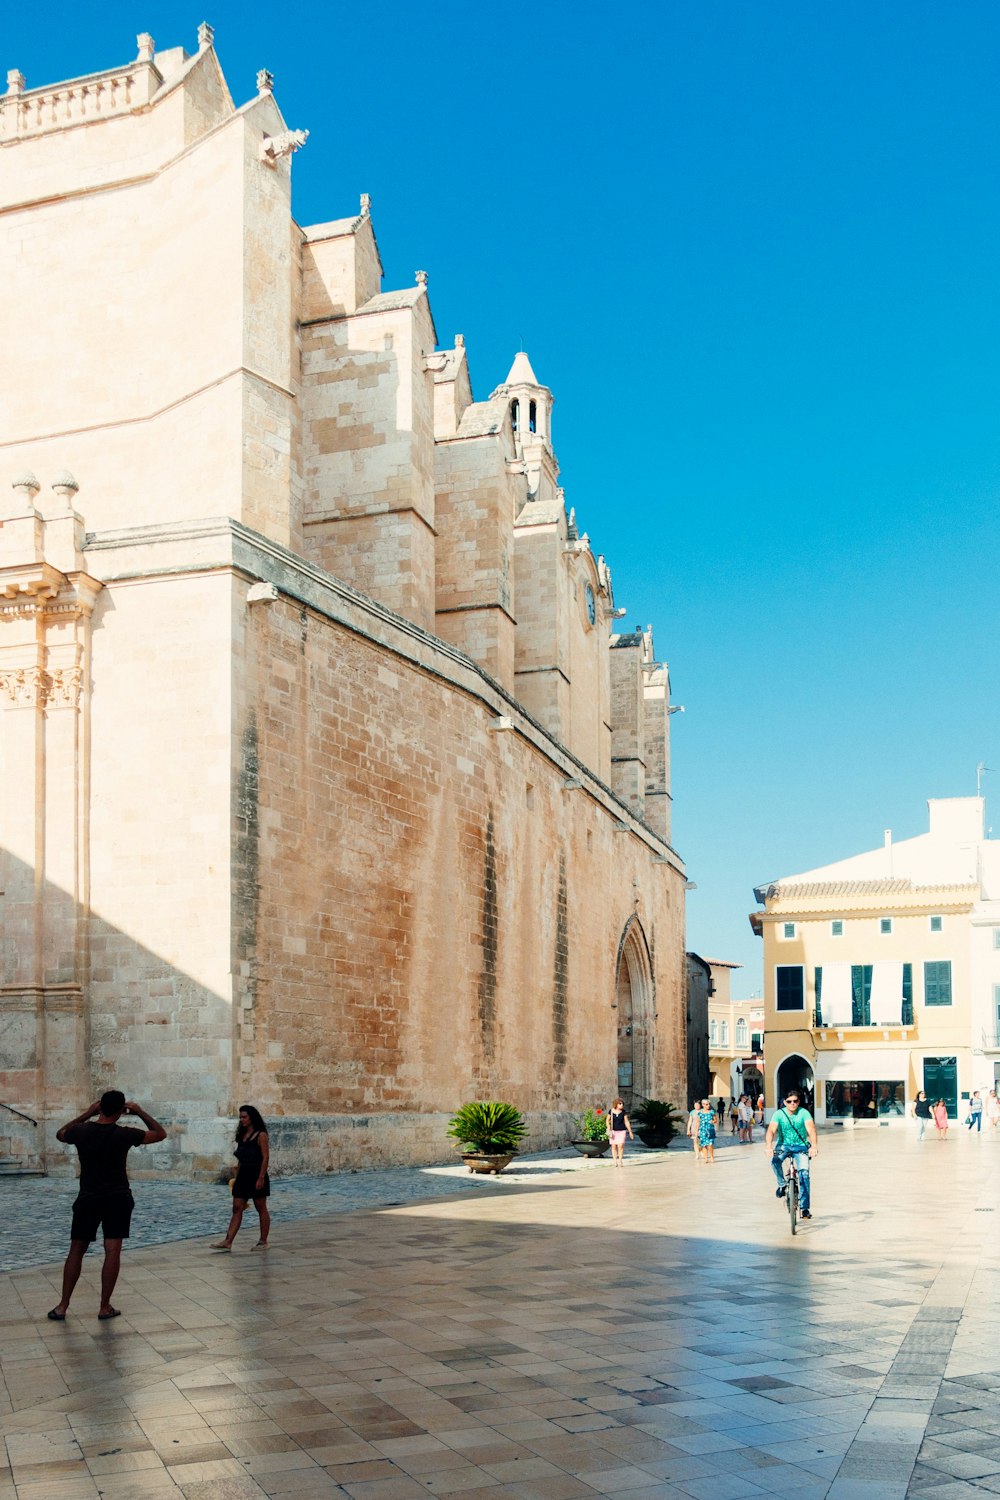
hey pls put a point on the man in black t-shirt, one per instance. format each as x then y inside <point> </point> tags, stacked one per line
<point>105,1199</point>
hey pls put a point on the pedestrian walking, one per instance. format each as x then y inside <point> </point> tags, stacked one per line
<point>993,1109</point>
<point>749,1121</point>
<point>743,1115</point>
<point>253,1154</point>
<point>921,1112</point>
<point>974,1119</point>
<point>734,1116</point>
<point>693,1126</point>
<point>721,1111</point>
<point>617,1124</point>
<point>758,1110</point>
<point>706,1130</point>
<point>940,1114</point>
<point>105,1200</point>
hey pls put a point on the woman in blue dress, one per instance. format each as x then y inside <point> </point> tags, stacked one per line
<point>706,1130</point>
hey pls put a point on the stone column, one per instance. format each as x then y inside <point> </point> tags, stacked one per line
<point>45,612</point>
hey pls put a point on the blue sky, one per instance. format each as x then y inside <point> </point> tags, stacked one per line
<point>753,246</point>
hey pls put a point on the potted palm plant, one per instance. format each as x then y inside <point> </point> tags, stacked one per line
<point>491,1131</point>
<point>591,1134</point>
<point>654,1122</point>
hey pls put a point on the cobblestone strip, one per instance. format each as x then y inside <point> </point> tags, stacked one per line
<point>879,1463</point>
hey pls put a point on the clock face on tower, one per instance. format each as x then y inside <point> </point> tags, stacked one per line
<point>591,605</point>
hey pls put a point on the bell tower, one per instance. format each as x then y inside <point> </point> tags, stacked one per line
<point>529,406</point>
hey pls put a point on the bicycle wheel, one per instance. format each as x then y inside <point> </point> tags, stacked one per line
<point>792,1197</point>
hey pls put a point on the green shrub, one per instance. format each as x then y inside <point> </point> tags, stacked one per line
<point>488,1126</point>
<point>591,1127</point>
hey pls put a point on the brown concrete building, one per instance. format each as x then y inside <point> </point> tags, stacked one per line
<point>326,784</point>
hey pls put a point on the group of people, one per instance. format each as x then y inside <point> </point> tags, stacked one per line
<point>104,1203</point>
<point>744,1113</point>
<point>925,1111</point>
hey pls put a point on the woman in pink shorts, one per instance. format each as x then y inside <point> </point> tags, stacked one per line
<point>616,1124</point>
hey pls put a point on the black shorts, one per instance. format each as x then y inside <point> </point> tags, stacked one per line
<point>91,1211</point>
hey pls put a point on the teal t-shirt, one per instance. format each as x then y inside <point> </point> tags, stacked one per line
<point>792,1129</point>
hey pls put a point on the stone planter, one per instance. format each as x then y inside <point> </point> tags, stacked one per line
<point>656,1140</point>
<point>591,1148</point>
<point>484,1161</point>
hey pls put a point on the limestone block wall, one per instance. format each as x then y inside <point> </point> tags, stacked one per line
<point>368,451</point>
<point>628,722</point>
<point>424,929</point>
<point>588,733</point>
<point>541,670</point>
<point>159,992</point>
<point>656,699</point>
<point>149,290</point>
<point>474,519</point>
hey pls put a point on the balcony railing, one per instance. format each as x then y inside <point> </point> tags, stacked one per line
<point>991,1041</point>
<point>861,1016</point>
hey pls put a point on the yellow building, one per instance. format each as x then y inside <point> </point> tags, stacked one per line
<point>882,972</point>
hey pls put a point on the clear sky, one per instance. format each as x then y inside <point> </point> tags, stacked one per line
<point>753,247</point>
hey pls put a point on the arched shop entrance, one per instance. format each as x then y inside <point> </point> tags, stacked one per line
<point>795,1073</point>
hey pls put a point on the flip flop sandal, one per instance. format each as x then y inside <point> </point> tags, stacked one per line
<point>56,1317</point>
<point>115,1312</point>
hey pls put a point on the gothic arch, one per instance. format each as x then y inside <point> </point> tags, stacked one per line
<point>635,995</point>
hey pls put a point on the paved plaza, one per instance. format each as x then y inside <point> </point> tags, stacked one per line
<point>647,1334</point>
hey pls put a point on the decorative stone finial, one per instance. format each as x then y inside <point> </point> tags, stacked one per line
<point>65,485</point>
<point>146,47</point>
<point>206,36</point>
<point>15,82</point>
<point>421,278</point>
<point>265,81</point>
<point>26,483</point>
<point>460,341</point>
<point>366,205</point>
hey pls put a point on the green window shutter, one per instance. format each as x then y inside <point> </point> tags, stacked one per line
<point>907,1016</point>
<point>790,987</point>
<point>861,994</point>
<point>818,980</point>
<point>937,982</point>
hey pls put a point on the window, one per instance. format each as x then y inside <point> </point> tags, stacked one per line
<point>725,1033</point>
<point>836,929</point>
<point>996,937</point>
<point>713,1032</point>
<point>741,1032</point>
<point>790,990</point>
<point>937,983</point>
<point>757,1042</point>
<point>936,924</point>
<point>906,1015</point>
<point>532,417</point>
<point>885,926</point>
<point>867,1099</point>
<point>515,415</point>
<point>818,987</point>
<point>788,929</point>
<point>861,994</point>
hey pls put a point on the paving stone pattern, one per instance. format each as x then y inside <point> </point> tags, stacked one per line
<point>651,1334</point>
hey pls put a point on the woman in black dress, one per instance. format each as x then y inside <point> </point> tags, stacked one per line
<point>251,1181</point>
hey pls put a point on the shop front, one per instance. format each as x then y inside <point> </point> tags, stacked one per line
<point>862,1087</point>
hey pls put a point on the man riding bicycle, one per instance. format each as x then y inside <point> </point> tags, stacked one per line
<point>792,1133</point>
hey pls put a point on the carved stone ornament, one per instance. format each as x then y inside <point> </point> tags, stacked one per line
<point>206,35</point>
<point>31,687</point>
<point>274,147</point>
<point>265,81</point>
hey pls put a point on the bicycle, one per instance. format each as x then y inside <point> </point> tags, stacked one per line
<point>791,1190</point>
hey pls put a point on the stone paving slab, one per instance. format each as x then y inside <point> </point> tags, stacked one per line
<point>653,1334</point>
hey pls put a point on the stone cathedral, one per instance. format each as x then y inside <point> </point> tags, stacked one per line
<point>327,784</point>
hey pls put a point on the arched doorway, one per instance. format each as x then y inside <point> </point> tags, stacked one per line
<point>634,1001</point>
<point>795,1073</point>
